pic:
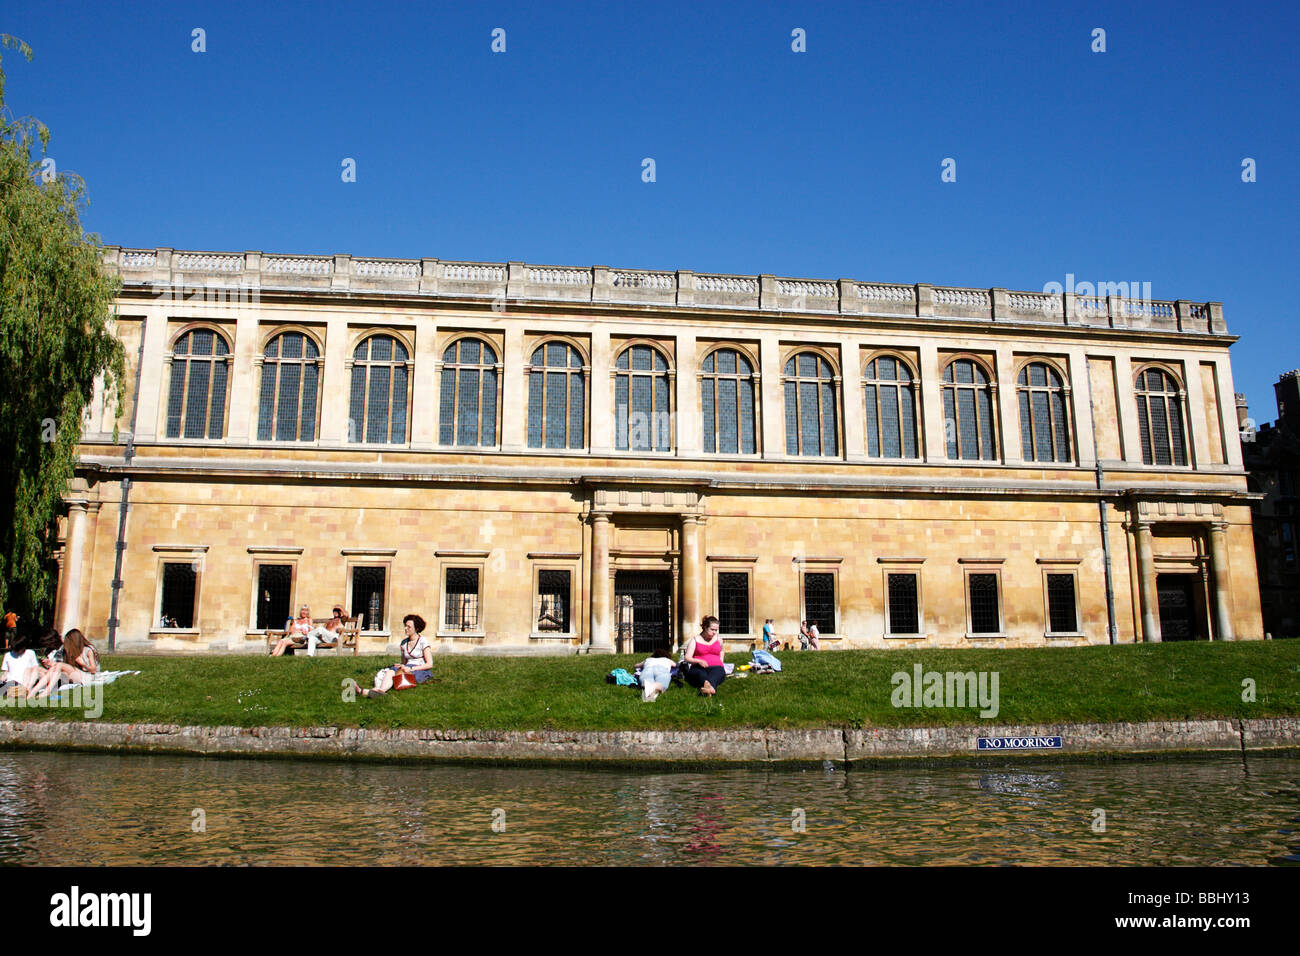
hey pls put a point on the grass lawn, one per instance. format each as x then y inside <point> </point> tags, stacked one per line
<point>834,689</point>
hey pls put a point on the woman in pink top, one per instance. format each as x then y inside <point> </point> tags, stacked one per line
<point>703,657</point>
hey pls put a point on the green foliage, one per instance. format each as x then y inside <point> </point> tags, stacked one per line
<point>56,308</point>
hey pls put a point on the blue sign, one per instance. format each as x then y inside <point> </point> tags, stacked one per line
<point>1019,743</point>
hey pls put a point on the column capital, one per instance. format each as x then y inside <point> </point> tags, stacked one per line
<point>1218,527</point>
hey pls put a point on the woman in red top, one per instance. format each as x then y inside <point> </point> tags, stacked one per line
<point>703,657</point>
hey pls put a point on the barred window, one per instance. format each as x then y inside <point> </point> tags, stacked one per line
<point>377,407</point>
<point>727,403</point>
<point>274,582</point>
<point>642,403</point>
<point>810,421</point>
<point>557,401</point>
<point>984,612</point>
<point>462,600</point>
<point>890,395</point>
<point>819,601</point>
<point>1061,617</point>
<point>179,589</point>
<point>1044,419</point>
<point>1287,531</point>
<point>368,596</point>
<point>290,394</point>
<point>968,411</point>
<point>1160,418</point>
<point>468,404</point>
<point>196,399</point>
<point>733,602</point>
<point>904,612</point>
<point>553,602</point>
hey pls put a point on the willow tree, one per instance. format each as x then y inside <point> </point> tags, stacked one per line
<point>56,338</point>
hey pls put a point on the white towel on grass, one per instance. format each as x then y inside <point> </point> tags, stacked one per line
<point>103,677</point>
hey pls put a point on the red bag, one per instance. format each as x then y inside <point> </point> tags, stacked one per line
<point>403,680</point>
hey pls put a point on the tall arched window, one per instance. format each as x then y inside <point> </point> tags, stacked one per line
<point>196,399</point>
<point>1044,415</point>
<point>377,407</point>
<point>890,393</point>
<point>468,404</point>
<point>810,420</point>
<point>727,403</point>
<point>1160,418</point>
<point>557,397</point>
<point>286,410</point>
<point>968,411</point>
<point>642,404</point>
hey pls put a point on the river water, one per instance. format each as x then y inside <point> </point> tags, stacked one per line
<point>89,809</point>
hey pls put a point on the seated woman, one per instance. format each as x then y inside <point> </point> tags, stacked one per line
<point>19,667</point>
<point>703,657</point>
<point>295,629</point>
<point>416,662</point>
<point>79,664</point>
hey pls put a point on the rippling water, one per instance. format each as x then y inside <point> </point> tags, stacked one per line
<point>87,809</point>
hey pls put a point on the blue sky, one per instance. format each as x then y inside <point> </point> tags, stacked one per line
<point>1115,166</point>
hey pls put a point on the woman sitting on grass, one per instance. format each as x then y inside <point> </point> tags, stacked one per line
<point>80,663</point>
<point>703,657</point>
<point>19,668</point>
<point>416,662</point>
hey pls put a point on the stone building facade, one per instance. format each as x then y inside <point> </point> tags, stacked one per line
<point>1272,458</point>
<point>557,459</point>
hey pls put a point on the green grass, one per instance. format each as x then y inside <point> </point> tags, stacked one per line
<point>831,689</point>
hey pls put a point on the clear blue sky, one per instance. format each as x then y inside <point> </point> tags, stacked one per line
<point>1115,166</point>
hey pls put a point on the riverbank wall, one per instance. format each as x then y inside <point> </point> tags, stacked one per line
<point>681,748</point>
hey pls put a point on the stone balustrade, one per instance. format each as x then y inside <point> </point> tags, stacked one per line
<point>522,282</point>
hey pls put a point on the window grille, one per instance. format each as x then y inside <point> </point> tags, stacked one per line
<point>274,583</point>
<point>553,601</point>
<point>462,600</point>
<point>904,615</point>
<point>819,601</point>
<point>1061,616</point>
<point>180,582</point>
<point>368,596</point>
<point>984,617</point>
<point>733,602</point>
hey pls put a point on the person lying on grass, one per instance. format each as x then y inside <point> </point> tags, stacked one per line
<point>416,663</point>
<point>656,673</point>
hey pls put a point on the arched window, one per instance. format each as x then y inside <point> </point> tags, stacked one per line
<point>1044,415</point>
<point>968,411</point>
<point>377,407</point>
<point>286,410</point>
<point>890,393</point>
<point>810,421</point>
<point>1160,418</point>
<point>642,407</point>
<point>727,403</point>
<point>468,404</point>
<point>196,399</point>
<point>557,397</point>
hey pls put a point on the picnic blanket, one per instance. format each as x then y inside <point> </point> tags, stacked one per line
<point>103,677</point>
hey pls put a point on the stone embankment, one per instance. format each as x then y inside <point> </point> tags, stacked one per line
<point>737,747</point>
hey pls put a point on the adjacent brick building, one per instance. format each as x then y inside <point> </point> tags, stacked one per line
<point>554,458</point>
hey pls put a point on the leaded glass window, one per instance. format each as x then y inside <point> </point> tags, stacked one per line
<point>378,402</point>
<point>1160,418</point>
<point>290,394</point>
<point>984,614</point>
<point>890,395</point>
<point>1061,616</point>
<point>819,601</point>
<point>810,420</point>
<point>468,401</point>
<point>642,406</point>
<point>368,596</point>
<point>968,412</point>
<point>904,612</point>
<point>733,602</point>
<point>1044,420</point>
<point>179,587</point>
<point>557,399</point>
<point>727,403</point>
<point>274,585</point>
<point>196,398</point>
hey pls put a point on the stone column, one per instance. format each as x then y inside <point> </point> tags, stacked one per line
<point>336,383</point>
<point>772,399</point>
<point>690,576</point>
<point>688,396</point>
<point>514,387</point>
<point>1222,591</point>
<point>73,553</point>
<point>1147,584</point>
<point>933,434</point>
<point>601,641</point>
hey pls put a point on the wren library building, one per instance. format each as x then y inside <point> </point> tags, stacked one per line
<point>551,459</point>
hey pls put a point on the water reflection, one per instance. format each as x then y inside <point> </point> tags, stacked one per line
<point>86,809</point>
